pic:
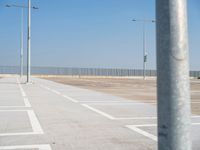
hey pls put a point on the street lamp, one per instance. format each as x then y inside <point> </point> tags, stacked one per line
<point>144,21</point>
<point>22,40</point>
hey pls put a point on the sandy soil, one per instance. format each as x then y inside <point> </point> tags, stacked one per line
<point>135,89</point>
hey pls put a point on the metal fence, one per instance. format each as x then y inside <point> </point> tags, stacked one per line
<point>84,71</point>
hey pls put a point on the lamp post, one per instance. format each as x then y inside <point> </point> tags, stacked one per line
<point>144,43</point>
<point>173,89</point>
<point>29,43</point>
<point>22,39</point>
<point>22,45</point>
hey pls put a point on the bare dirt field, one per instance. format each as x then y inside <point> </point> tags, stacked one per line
<point>135,89</point>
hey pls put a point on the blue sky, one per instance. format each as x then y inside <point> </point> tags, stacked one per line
<point>89,33</point>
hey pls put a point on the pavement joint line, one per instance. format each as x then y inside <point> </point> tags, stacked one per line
<point>124,103</point>
<point>142,132</point>
<point>99,112</point>
<point>143,118</point>
<point>33,121</point>
<point>120,103</point>
<point>40,147</point>
<point>154,125</point>
<point>135,118</point>
<point>104,102</point>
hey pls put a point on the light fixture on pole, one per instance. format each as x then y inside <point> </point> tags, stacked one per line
<point>144,21</point>
<point>22,40</point>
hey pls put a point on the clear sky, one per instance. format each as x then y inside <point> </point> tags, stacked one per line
<point>89,33</point>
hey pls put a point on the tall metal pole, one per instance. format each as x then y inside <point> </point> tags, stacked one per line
<point>29,43</point>
<point>144,50</point>
<point>22,44</point>
<point>144,21</point>
<point>173,76</point>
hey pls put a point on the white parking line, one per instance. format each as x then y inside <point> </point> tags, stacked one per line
<point>21,89</point>
<point>40,147</point>
<point>69,98</point>
<point>58,93</point>
<point>99,112</point>
<point>123,118</point>
<point>146,134</point>
<point>54,91</point>
<point>142,132</point>
<point>26,102</point>
<point>33,121</point>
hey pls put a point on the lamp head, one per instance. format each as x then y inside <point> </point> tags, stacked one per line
<point>8,5</point>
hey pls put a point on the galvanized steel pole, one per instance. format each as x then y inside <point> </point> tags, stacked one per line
<point>173,76</point>
<point>144,50</point>
<point>22,44</point>
<point>144,21</point>
<point>29,43</point>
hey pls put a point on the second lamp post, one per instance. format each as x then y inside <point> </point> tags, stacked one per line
<point>144,43</point>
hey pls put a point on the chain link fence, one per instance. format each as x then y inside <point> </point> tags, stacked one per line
<point>84,71</point>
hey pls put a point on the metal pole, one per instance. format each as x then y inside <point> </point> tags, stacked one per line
<point>29,43</point>
<point>22,44</point>
<point>144,50</point>
<point>173,76</point>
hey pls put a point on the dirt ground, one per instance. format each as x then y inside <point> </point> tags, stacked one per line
<point>135,89</point>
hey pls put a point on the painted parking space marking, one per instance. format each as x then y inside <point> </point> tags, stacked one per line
<point>54,91</point>
<point>58,93</point>
<point>124,118</point>
<point>70,98</point>
<point>39,147</point>
<point>99,112</point>
<point>142,132</point>
<point>21,89</point>
<point>33,121</point>
<point>26,102</point>
<point>136,128</point>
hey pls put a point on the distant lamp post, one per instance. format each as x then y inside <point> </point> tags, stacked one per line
<point>145,55</point>
<point>22,38</point>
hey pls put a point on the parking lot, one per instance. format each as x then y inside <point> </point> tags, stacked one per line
<point>128,88</point>
<point>47,115</point>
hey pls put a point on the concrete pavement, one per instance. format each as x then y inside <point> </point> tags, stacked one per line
<point>50,116</point>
